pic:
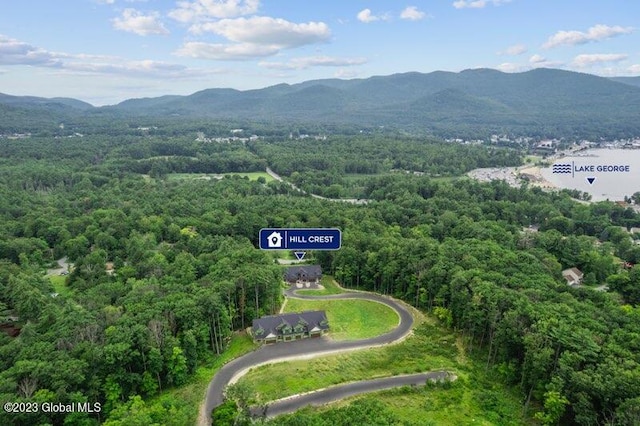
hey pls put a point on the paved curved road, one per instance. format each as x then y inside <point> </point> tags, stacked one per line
<point>336,393</point>
<point>266,354</point>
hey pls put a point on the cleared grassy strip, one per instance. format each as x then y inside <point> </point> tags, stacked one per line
<point>330,287</point>
<point>476,399</point>
<point>484,402</point>
<point>253,175</point>
<point>350,319</point>
<point>429,348</point>
<point>210,176</point>
<point>186,399</point>
<point>59,283</point>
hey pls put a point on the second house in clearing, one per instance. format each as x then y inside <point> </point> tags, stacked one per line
<point>288,327</point>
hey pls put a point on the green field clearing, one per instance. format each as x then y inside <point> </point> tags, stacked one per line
<point>350,319</point>
<point>211,176</point>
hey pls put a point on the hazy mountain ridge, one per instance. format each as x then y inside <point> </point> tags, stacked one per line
<point>633,81</point>
<point>29,101</point>
<point>563,101</point>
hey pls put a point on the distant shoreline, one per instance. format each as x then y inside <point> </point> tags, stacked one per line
<point>535,177</point>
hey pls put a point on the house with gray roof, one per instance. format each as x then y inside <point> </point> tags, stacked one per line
<point>289,327</point>
<point>303,275</point>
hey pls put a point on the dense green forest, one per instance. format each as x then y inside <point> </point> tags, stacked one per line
<point>165,270</point>
<point>335,167</point>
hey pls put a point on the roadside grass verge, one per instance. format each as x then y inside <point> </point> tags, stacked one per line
<point>428,348</point>
<point>185,400</point>
<point>350,319</point>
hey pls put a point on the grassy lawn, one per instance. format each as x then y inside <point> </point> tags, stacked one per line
<point>59,285</point>
<point>186,399</point>
<point>329,284</point>
<point>350,319</point>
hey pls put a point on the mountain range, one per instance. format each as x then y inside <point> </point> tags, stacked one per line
<point>549,100</point>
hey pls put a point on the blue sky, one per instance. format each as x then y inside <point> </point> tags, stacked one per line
<point>105,51</point>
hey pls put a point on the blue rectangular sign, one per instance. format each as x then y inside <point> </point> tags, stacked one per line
<point>300,239</point>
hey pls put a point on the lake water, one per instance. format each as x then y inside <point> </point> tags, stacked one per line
<point>607,184</point>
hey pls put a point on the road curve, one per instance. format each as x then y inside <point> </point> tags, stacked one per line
<point>266,354</point>
<point>336,393</point>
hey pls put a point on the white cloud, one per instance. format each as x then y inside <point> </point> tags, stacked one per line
<point>367,17</point>
<point>463,4</point>
<point>595,33</point>
<point>345,73</point>
<point>219,52</point>
<point>511,67</point>
<point>203,10</point>
<point>257,36</point>
<point>587,60</point>
<point>265,30</point>
<point>537,59</point>
<point>516,49</point>
<point>412,13</point>
<point>137,22</point>
<point>146,68</point>
<point>313,61</point>
<point>477,4</point>
<point>105,1</point>
<point>15,52</point>
<point>634,69</point>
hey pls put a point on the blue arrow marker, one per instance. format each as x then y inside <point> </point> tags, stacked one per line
<point>591,180</point>
<point>299,254</point>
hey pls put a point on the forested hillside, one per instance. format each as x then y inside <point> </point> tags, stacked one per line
<point>165,268</point>
<point>476,102</point>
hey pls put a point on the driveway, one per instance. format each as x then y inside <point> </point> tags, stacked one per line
<point>306,348</point>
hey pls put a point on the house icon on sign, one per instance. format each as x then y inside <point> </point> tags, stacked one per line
<point>274,240</point>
